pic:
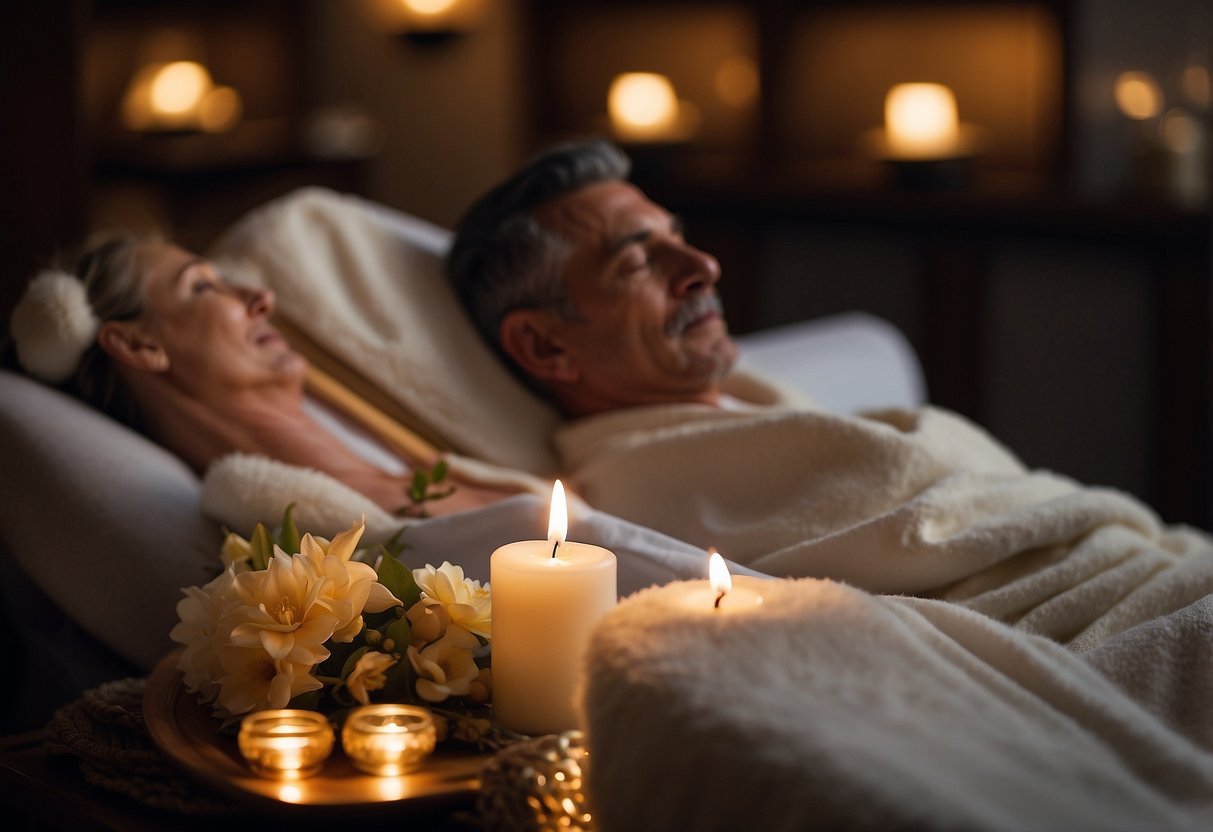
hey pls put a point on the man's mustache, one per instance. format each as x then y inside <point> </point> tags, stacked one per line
<point>695,307</point>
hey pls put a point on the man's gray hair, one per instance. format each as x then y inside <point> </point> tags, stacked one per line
<point>502,259</point>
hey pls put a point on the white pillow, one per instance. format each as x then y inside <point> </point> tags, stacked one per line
<point>367,284</point>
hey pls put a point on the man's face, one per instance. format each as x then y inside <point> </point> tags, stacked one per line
<point>649,327</point>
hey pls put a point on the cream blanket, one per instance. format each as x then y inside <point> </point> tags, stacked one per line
<point>921,503</point>
<point>830,708</point>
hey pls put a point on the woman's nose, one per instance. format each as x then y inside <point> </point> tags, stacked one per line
<point>694,270</point>
<point>260,300</point>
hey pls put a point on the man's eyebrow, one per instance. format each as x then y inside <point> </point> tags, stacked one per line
<point>642,234</point>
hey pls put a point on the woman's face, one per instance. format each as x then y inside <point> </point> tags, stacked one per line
<point>216,337</point>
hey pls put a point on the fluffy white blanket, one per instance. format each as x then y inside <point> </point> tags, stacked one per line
<point>830,708</point>
<point>921,503</point>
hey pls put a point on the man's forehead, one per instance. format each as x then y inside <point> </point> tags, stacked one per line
<point>601,212</point>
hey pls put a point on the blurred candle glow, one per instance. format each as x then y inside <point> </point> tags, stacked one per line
<point>389,739</point>
<point>179,95</point>
<point>921,121</point>
<point>285,744</point>
<point>643,106</point>
<point>1138,95</point>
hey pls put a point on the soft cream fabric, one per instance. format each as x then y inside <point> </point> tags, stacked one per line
<point>368,285</point>
<point>829,708</point>
<point>916,502</point>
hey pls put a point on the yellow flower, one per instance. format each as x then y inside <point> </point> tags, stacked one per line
<point>466,602</point>
<point>347,587</point>
<point>255,681</point>
<point>237,552</point>
<point>201,630</point>
<point>281,613</point>
<point>428,620</point>
<point>446,667</point>
<point>368,674</point>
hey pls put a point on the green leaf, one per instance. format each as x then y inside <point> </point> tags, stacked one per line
<point>261,547</point>
<point>353,660</point>
<point>288,535</point>
<point>399,580</point>
<point>400,632</point>
<point>418,487</point>
<point>438,472</point>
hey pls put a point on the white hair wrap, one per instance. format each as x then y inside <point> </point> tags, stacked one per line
<point>53,326</point>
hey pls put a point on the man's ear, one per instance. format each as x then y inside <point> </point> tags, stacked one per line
<point>127,343</point>
<point>530,338</point>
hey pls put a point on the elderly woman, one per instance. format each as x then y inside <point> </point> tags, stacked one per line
<point>154,336</point>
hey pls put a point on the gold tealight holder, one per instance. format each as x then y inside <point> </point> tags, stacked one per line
<point>285,744</point>
<point>388,740</point>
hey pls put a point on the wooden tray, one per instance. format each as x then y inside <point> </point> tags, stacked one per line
<point>187,733</point>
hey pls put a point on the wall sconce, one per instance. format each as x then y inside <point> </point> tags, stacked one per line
<point>179,97</point>
<point>430,22</point>
<point>643,107</point>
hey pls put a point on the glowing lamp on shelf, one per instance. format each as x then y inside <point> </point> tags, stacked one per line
<point>1138,95</point>
<point>179,96</point>
<point>430,21</point>
<point>389,739</point>
<point>285,744</point>
<point>644,107</point>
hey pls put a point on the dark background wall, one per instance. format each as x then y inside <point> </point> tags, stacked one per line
<point>1057,290</point>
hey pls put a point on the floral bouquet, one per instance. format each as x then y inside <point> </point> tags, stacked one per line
<point>305,622</point>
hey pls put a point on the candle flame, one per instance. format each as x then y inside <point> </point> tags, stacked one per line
<point>921,118</point>
<point>718,574</point>
<point>558,521</point>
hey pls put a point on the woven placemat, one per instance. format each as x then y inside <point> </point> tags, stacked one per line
<point>105,732</point>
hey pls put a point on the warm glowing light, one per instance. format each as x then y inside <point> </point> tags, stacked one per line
<point>1196,85</point>
<point>429,7</point>
<point>1138,95</point>
<point>290,793</point>
<point>285,744</point>
<point>643,105</point>
<point>718,574</point>
<point>219,110</point>
<point>388,740</point>
<point>179,96</point>
<point>1180,131</point>
<point>179,87</point>
<point>921,120</point>
<point>736,81</point>
<point>558,519</point>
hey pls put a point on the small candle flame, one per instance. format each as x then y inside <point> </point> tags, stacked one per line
<point>718,576</point>
<point>558,522</point>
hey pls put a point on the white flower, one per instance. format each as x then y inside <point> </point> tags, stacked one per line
<point>466,602</point>
<point>347,587</point>
<point>370,673</point>
<point>446,667</point>
<point>254,681</point>
<point>281,614</point>
<point>428,620</point>
<point>237,552</point>
<point>201,630</point>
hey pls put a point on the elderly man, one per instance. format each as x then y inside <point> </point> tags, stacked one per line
<point>591,293</point>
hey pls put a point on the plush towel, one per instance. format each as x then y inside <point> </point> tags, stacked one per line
<point>915,502</point>
<point>829,708</point>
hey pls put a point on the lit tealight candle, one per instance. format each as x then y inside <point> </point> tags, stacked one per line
<point>285,744</point>
<point>388,739</point>
<point>547,597</point>
<point>723,592</point>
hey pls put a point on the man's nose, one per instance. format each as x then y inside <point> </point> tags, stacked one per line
<point>693,270</point>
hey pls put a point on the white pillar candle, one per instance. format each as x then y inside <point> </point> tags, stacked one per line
<point>547,597</point>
